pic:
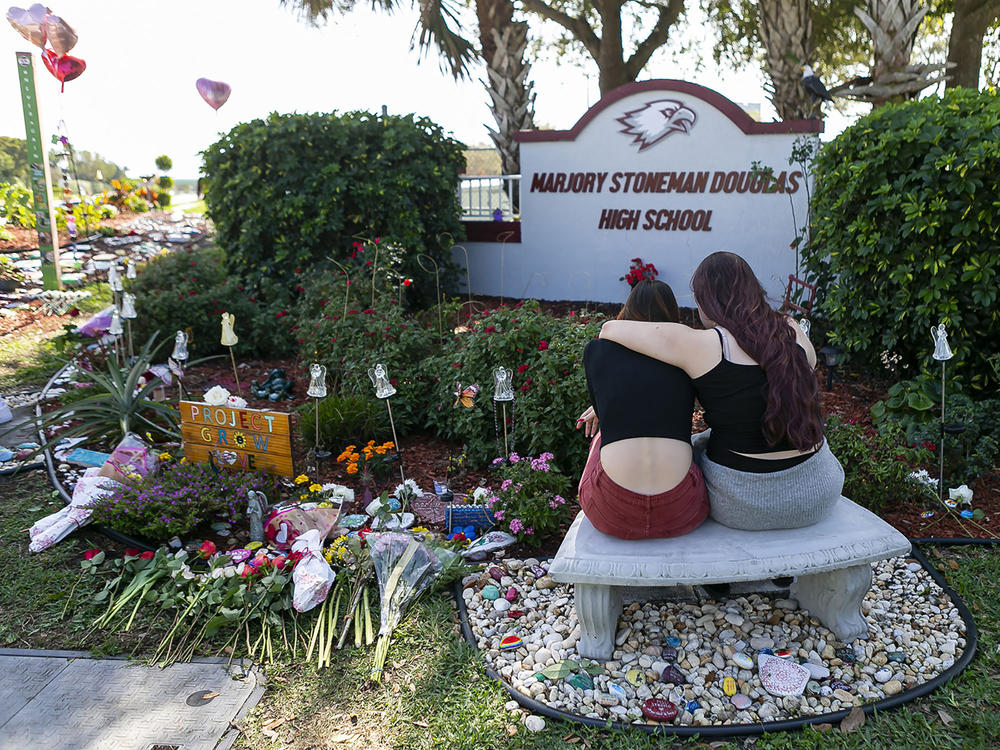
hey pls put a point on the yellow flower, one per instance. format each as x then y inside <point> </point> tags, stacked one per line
<point>353,458</point>
<point>371,442</point>
<point>352,468</point>
<point>388,445</point>
<point>368,454</point>
<point>184,460</point>
<point>301,479</point>
<point>315,488</point>
<point>165,456</point>
<point>240,439</point>
<point>303,497</point>
<point>381,450</point>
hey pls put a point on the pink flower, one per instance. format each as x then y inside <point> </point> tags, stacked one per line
<point>505,484</point>
<point>543,345</point>
<point>516,526</point>
<point>90,554</point>
<point>529,531</point>
<point>553,504</point>
<point>498,515</point>
<point>514,458</point>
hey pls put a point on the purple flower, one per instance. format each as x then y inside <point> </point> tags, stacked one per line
<point>498,515</point>
<point>516,525</point>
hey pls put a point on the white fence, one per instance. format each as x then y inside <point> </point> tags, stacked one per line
<point>482,197</point>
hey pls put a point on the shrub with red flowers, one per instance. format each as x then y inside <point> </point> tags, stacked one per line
<point>639,271</point>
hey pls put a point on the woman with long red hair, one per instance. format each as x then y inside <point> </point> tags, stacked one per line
<point>765,461</point>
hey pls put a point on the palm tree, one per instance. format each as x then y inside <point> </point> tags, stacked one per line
<point>502,46</point>
<point>785,29</point>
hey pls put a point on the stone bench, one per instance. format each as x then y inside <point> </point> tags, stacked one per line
<point>830,560</point>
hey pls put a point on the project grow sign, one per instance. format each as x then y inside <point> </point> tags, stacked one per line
<point>665,171</point>
<point>246,439</point>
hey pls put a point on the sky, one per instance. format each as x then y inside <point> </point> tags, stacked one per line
<point>137,98</point>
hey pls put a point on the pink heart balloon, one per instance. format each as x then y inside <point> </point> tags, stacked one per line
<point>60,34</point>
<point>65,68</point>
<point>216,93</point>
<point>27,25</point>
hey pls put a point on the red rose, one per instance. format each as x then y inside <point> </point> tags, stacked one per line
<point>522,369</point>
<point>147,555</point>
<point>131,552</point>
<point>208,549</point>
<point>407,282</point>
<point>279,562</point>
<point>543,345</point>
<point>91,553</point>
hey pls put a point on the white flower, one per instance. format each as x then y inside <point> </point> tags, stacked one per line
<point>216,396</point>
<point>230,571</point>
<point>962,494</point>
<point>236,402</point>
<point>218,572</point>
<point>408,489</point>
<point>339,492</point>
<point>923,478</point>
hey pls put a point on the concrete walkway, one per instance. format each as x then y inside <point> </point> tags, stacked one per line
<point>69,701</point>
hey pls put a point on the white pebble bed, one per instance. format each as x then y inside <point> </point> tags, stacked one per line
<point>906,611</point>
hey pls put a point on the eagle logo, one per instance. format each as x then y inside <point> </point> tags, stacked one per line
<point>655,120</point>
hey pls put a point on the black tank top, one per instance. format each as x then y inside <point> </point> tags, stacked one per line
<point>635,395</point>
<point>735,398</point>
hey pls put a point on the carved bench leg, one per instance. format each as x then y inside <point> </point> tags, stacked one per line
<point>597,609</point>
<point>834,598</point>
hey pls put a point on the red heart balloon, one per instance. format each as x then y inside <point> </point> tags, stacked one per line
<point>65,68</point>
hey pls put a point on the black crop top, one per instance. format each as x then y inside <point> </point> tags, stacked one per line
<point>735,398</point>
<point>635,395</point>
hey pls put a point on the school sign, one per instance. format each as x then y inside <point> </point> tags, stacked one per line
<point>668,171</point>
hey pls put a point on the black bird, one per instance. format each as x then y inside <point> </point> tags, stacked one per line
<point>814,86</point>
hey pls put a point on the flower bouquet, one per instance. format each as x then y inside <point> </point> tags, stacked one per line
<point>404,567</point>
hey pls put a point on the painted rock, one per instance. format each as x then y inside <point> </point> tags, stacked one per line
<point>673,641</point>
<point>658,709</point>
<point>582,681</point>
<point>669,653</point>
<point>606,700</point>
<point>511,594</point>
<point>740,701</point>
<point>617,691</point>
<point>537,571</point>
<point>729,686</point>
<point>672,675</point>
<point>515,613</point>
<point>490,593</point>
<point>883,675</point>
<point>927,514</point>
<point>817,671</point>
<point>846,655</point>
<point>743,661</point>
<point>495,573</point>
<point>540,677</point>
<point>840,685</point>
<point>896,657</point>
<point>826,691</point>
<point>966,513</point>
<point>353,521</point>
<point>767,651</point>
<point>508,642</point>
<point>783,654</point>
<point>781,677</point>
<point>636,677</point>
<point>813,687</point>
<point>693,706</point>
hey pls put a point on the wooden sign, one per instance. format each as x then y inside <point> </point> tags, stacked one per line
<point>246,439</point>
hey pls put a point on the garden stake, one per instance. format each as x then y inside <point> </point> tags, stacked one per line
<point>437,298</point>
<point>347,287</point>
<point>317,390</point>
<point>942,353</point>
<point>229,339</point>
<point>503,391</point>
<point>177,359</point>
<point>384,389</point>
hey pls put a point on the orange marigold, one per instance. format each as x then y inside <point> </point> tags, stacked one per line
<point>352,468</point>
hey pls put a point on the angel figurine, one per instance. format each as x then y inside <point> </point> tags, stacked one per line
<point>115,329</point>
<point>317,381</point>
<point>383,388</point>
<point>942,352</point>
<point>256,504</point>
<point>130,269</point>
<point>805,325</point>
<point>114,280</point>
<point>503,390</point>
<point>229,337</point>
<point>128,306</point>
<point>180,347</point>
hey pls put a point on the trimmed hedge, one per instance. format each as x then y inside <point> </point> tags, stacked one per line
<point>288,191</point>
<point>905,233</point>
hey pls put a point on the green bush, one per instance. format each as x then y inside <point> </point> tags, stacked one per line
<point>136,204</point>
<point>163,199</point>
<point>915,405</point>
<point>905,227</point>
<point>164,163</point>
<point>546,354</point>
<point>165,182</point>
<point>877,463</point>
<point>343,420</point>
<point>190,288</point>
<point>317,181</point>
<point>15,205</point>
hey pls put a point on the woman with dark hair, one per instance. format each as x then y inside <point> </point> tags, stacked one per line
<point>640,481</point>
<point>764,458</point>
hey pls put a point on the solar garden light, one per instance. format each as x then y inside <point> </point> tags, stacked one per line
<point>503,391</point>
<point>317,390</point>
<point>832,356</point>
<point>129,314</point>
<point>942,353</point>
<point>177,360</point>
<point>384,389</point>
<point>116,330</point>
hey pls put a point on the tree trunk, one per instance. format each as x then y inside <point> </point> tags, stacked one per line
<point>785,28</point>
<point>965,47</point>
<point>613,72</point>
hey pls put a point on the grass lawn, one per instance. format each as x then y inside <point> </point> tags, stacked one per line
<point>435,693</point>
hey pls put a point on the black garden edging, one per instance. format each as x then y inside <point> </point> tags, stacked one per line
<point>971,643</point>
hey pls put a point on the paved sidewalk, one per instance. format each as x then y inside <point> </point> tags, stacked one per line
<point>66,700</point>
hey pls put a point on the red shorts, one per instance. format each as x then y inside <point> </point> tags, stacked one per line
<point>625,514</point>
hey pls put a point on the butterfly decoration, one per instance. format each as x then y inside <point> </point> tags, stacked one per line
<point>466,396</point>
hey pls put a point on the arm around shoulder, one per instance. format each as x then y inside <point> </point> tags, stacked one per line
<point>662,341</point>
